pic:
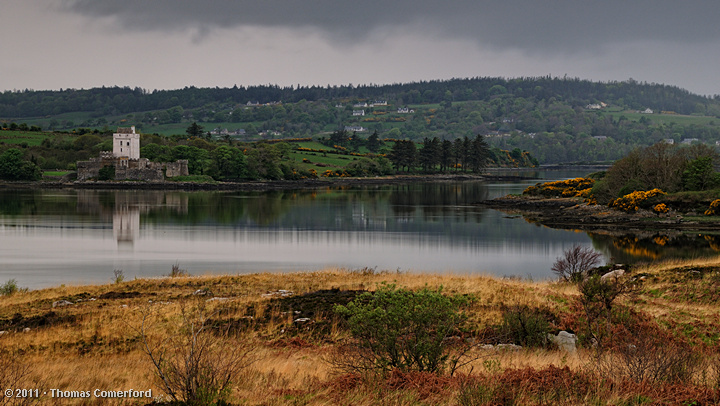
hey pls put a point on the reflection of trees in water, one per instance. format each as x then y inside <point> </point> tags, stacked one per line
<point>438,200</point>
<point>649,246</point>
<point>410,207</point>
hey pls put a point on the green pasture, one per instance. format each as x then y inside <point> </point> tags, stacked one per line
<point>334,161</point>
<point>22,137</point>
<point>55,173</point>
<point>312,145</point>
<point>665,118</point>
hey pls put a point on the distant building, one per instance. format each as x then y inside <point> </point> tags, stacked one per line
<point>356,128</point>
<point>647,111</point>
<point>669,141</point>
<point>125,157</point>
<point>689,140</point>
<point>358,112</point>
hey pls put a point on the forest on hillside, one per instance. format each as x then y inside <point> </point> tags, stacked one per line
<point>556,119</point>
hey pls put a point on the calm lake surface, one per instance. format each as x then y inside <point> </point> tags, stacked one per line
<point>51,237</point>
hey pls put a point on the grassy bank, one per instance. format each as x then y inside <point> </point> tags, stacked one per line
<point>98,337</point>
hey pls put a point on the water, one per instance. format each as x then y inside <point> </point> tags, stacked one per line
<point>51,237</point>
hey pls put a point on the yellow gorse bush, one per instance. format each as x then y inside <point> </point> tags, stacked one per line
<point>578,187</point>
<point>661,208</point>
<point>714,208</point>
<point>631,202</point>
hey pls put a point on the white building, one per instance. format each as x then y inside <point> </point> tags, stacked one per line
<point>358,112</point>
<point>126,143</point>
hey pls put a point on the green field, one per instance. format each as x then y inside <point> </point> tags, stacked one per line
<point>664,118</point>
<point>30,138</point>
<point>333,161</point>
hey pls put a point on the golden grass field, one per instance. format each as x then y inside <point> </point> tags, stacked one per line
<point>95,343</point>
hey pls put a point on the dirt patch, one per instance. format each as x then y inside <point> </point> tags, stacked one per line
<point>310,313</point>
<point>18,322</point>
<point>120,295</point>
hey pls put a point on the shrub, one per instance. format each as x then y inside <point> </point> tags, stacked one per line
<point>118,276</point>
<point>661,208</point>
<point>714,208</point>
<point>632,201</point>
<point>14,374</point>
<point>195,364</point>
<point>107,173</point>
<point>10,288</point>
<point>402,329</point>
<point>575,263</point>
<point>524,326</point>
<point>565,188</point>
<point>176,271</point>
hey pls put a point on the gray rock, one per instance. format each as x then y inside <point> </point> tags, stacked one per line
<point>613,275</point>
<point>62,303</point>
<point>508,347</point>
<point>564,340</point>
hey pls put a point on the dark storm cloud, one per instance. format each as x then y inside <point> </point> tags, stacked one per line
<point>554,25</point>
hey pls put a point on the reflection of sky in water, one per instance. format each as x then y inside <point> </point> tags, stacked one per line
<point>144,234</point>
<point>90,255</point>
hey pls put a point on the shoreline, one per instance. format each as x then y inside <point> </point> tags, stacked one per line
<point>262,185</point>
<point>570,213</point>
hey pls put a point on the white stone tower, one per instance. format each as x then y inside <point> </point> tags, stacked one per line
<point>126,143</point>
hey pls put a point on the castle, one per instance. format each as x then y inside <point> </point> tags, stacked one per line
<point>125,157</point>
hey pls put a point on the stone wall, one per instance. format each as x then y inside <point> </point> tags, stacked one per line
<point>134,169</point>
<point>145,174</point>
<point>177,168</point>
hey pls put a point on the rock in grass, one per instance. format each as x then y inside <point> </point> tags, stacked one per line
<point>564,340</point>
<point>61,303</point>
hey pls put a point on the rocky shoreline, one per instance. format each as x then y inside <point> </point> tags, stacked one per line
<point>573,213</point>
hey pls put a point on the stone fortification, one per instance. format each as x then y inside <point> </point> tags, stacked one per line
<point>125,157</point>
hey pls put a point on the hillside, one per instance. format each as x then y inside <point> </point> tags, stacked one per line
<point>556,119</point>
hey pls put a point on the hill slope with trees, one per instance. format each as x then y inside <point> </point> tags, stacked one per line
<point>556,119</point>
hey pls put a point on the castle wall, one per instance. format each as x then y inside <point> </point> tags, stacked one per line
<point>125,156</point>
<point>177,168</point>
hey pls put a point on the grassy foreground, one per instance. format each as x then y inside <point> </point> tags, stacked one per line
<point>96,342</point>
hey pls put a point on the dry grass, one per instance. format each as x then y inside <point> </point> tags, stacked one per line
<point>94,343</point>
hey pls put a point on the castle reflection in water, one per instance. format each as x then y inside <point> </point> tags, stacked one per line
<point>126,207</point>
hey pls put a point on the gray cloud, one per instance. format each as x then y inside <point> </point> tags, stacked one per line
<point>563,26</point>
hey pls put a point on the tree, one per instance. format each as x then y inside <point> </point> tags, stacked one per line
<point>446,155</point>
<point>14,167</point>
<point>228,163</point>
<point>373,142</point>
<point>195,130</point>
<point>403,155</point>
<point>479,153</point>
<point>699,175</point>
<point>429,154</point>
<point>575,262</point>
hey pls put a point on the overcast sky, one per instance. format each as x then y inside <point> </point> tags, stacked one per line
<point>170,44</point>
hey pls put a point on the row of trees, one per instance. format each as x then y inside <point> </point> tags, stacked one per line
<point>463,154</point>
<point>123,100</point>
